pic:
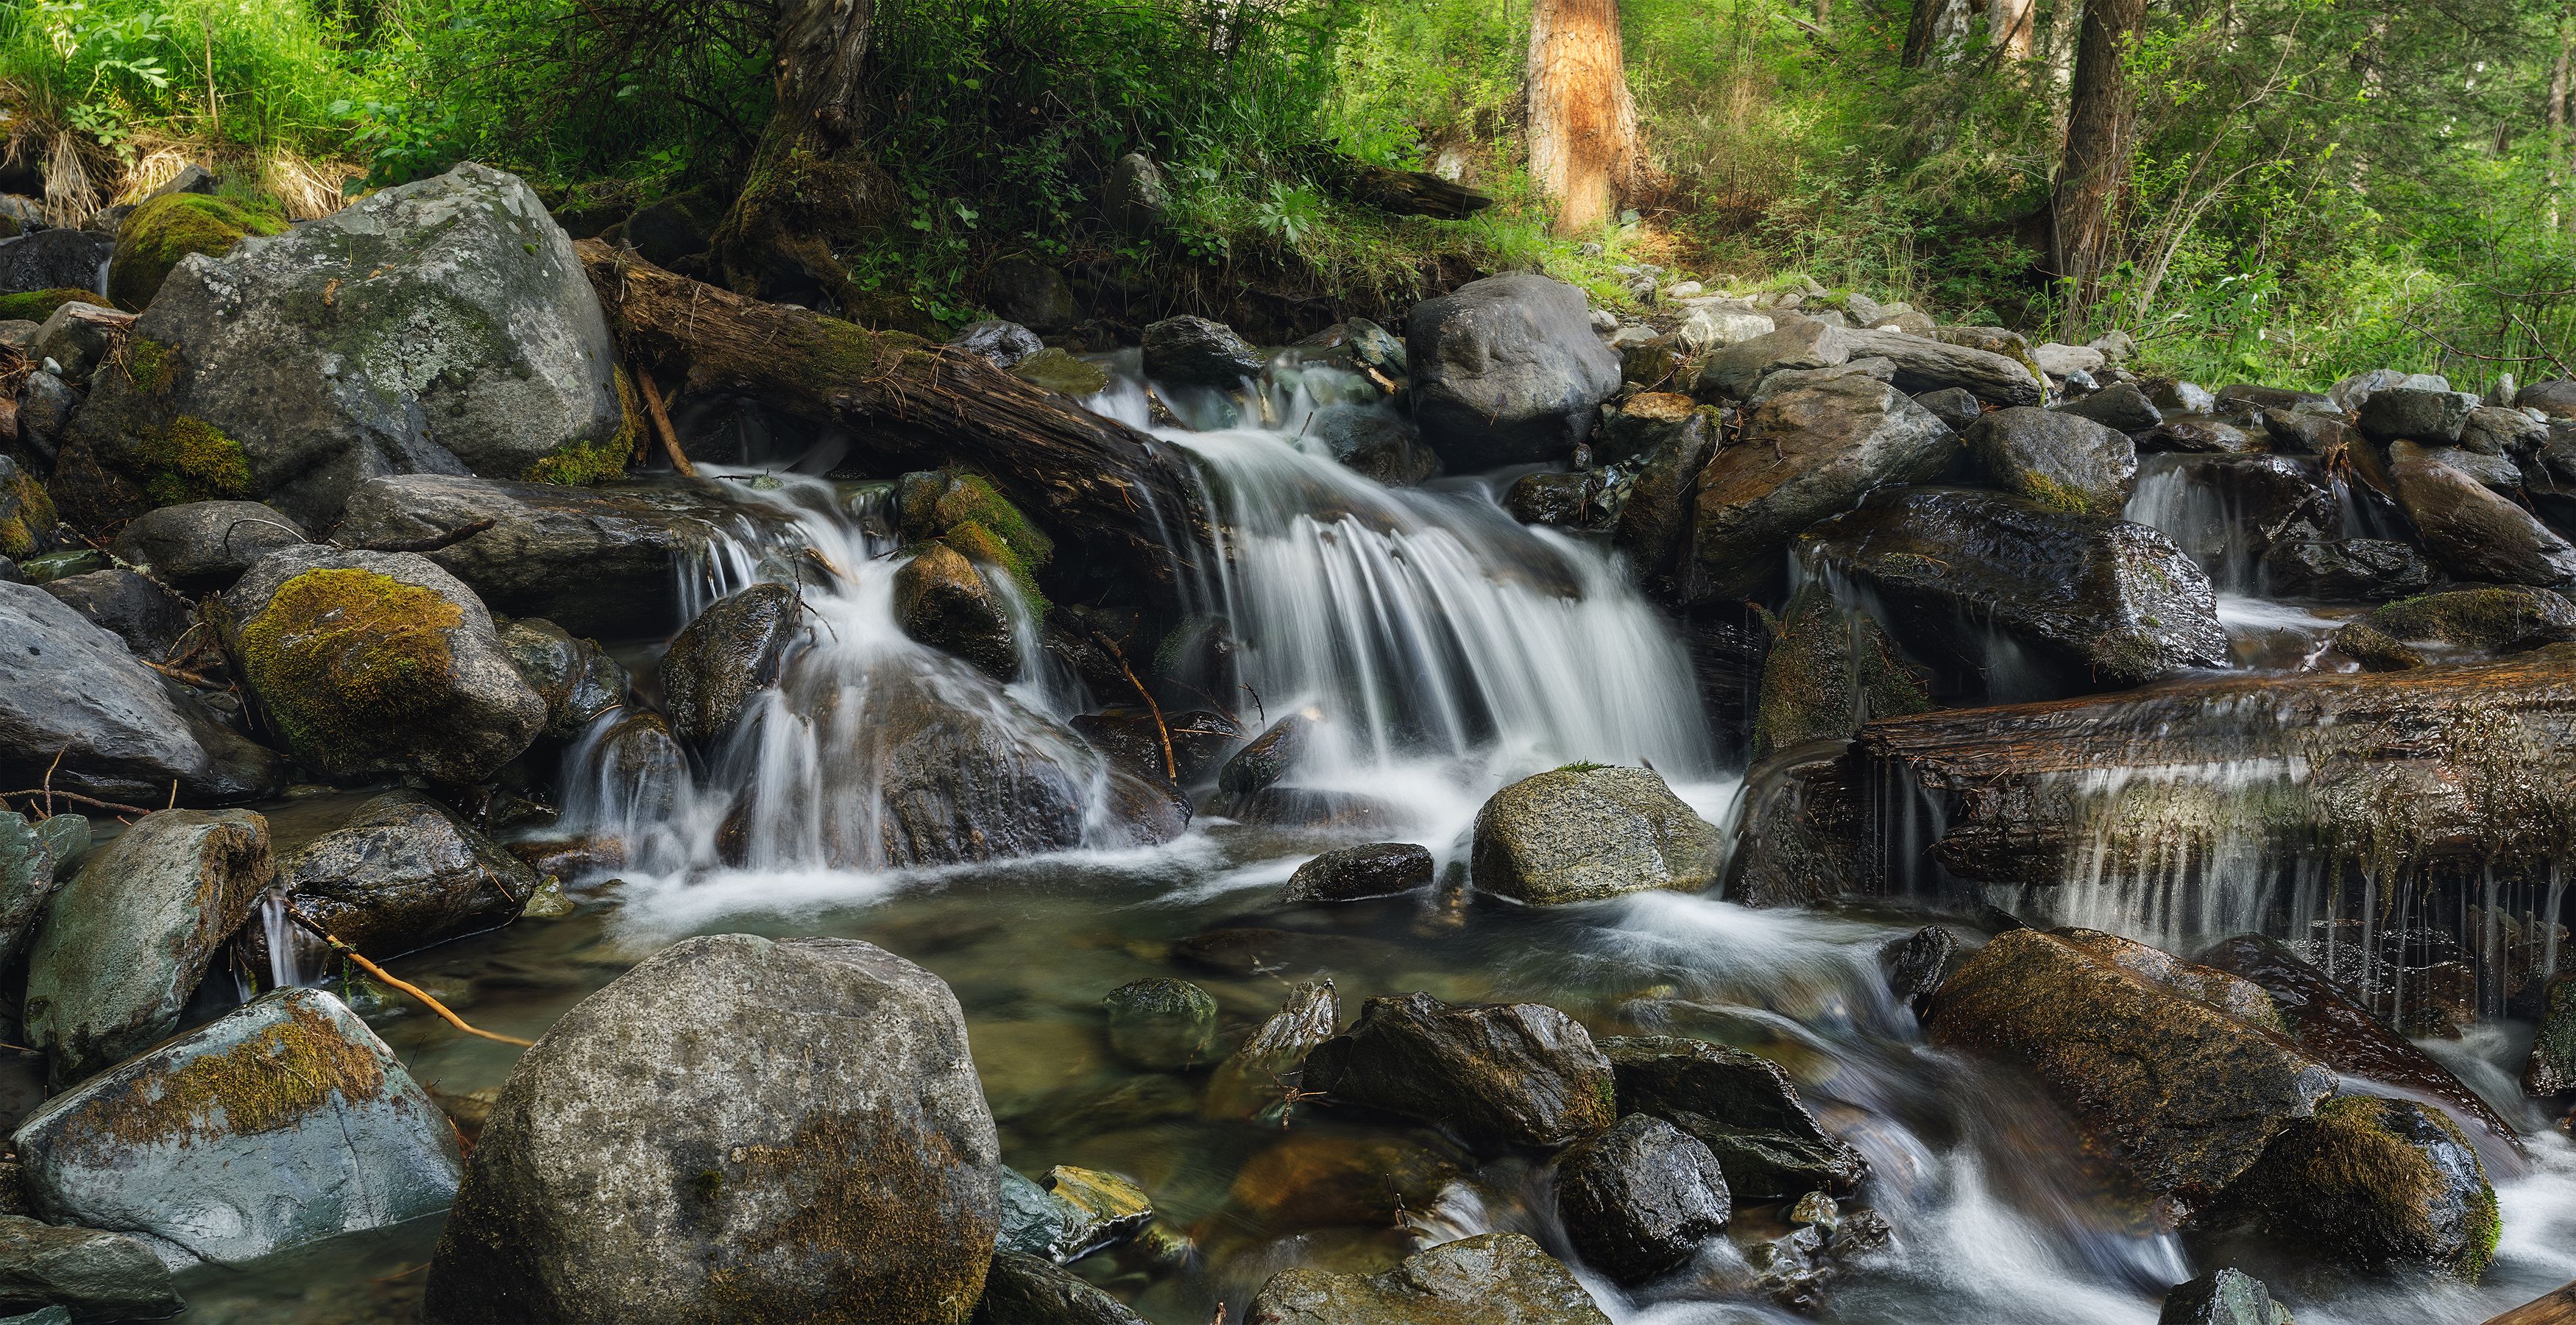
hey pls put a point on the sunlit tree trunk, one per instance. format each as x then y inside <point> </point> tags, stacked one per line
<point>2100,123</point>
<point>2559,77</point>
<point>1935,33</point>
<point>810,183</point>
<point>2008,24</point>
<point>2062,16</point>
<point>1582,119</point>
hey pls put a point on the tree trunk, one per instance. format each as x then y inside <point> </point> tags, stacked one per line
<point>809,183</point>
<point>2009,24</point>
<point>1933,35</point>
<point>2099,125</point>
<point>2062,15</point>
<point>908,404</point>
<point>1582,119</point>
<point>2559,76</point>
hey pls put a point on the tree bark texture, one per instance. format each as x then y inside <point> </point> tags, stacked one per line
<point>1935,32</point>
<point>2100,126</point>
<point>906,403</point>
<point>1582,118</point>
<point>2009,25</point>
<point>809,182</point>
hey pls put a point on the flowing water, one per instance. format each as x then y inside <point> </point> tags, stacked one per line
<point>1448,650</point>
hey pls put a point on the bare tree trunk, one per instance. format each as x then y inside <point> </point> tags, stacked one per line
<point>809,184</point>
<point>2099,124</point>
<point>2009,24</point>
<point>1582,119</point>
<point>2062,15</point>
<point>1935,33</point>
<point>2559,74</point>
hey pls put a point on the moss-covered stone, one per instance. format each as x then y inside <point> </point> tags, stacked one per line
<point>1161,1024</point>
<point>337,652</point>
<point>962,510</point>
<point>282,1074</point>
<point>1518,1075</point>
<point>26,513</point>
<point>2499,618</point>
<point>189,460</point>
<point>581,464</point>
<point>1829,671</point>
<point>37,305</point>
<point>2370,1183</point>
<point>166,229</point>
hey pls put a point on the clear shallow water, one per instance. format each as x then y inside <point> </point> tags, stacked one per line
<point>1450,650</point>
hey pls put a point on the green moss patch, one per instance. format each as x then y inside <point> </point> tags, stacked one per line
<point>164,230</point>
<point>26,512</point>
<point>37,305</point>
<point>579,465</point>
<point>190,459</point>
<point>340,656</point>
<point>271,1081</point>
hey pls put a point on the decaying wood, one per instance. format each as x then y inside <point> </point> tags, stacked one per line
<point>910,404</point>
<point>2557,1308</point>
<point>662,426</point>
<point>1412,192</point>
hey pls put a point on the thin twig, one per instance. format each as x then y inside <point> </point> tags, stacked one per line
<point>390,978</point>
<point>662,425</point>
<point>177,674</point>
<point>50,795</point>
<point>1171,767</point>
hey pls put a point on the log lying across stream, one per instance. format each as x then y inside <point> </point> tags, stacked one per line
<point>909,403</point>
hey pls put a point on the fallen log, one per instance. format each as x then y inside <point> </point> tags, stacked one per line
<point>909,403</point>
<point>2554,1308</point>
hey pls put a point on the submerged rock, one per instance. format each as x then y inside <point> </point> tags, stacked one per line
<point>284,1123</point>
<point>1161,1024</point>
<point>1380,869</point>
<point>100,1275</point>
<point>2509,619</point>
<point>1029,1290</point>
<point>1375,443</point>
<point>2370,1183</point>
<point>1255,1080</point>
<point>1742,1107</point>
<point>2057,458</point>
<point>1639,1199</point>
<point>1578,834</point>
<point>1196,351</point>
<point>1322,1179</point>
<point>404,872</point>
<point>727,656</point>
<point>2222,1297</point>
<point>1489,1279</point>
<point>1506,371</point>
<point>1518,1075</point>
<point>737,1128</point>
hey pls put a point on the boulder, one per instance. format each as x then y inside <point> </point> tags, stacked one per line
<point>727,656</point>
<point>1200,738</point>
<point>1917,964</point>
<point>1037,296</point>
<point>2555,399</point>
<point>2346,570</point>
<point>575,678</point>
<point>403,873</point>
<point>27,516</point>
<point>100,1275</point>
<point>1374,443</point>
<point>2120,406</point>
<point>738,1128</point>
<point>1253,1080</point>
<point>1006,345</point>
<point>2414,414</point>
<point>1135,198</point>
<point>1828,671</point>
<point>1742,1107</point>
<point>1580,833</point>
<point>941,600</point>
<point>1641,423</point>
<point>1803,344</point>
<point>2469,530</point>
<point>45,406</point>
<point>2225,1296</point>
<point>2493,431</point>
<point>1506,371</point>
<point>2057,458</point>
<point>443,327</point>
<point>1380,869</point>
<point>597,561</point>
<point>2059,360</point>
<point>75,705</point>
<point>1489,1279</point>
<point>281,1124</point>
<point>2094,602</point>
<point>2369,1183</point>
<point>373,664</point>
<point>1804,455</point>
<point>2176,396</point>
<point>673,229</point>
<point>1060,371</point>
<point>1930,365</point>
<point>2353,392</point>
<point>123,944</point>
<point>2186,1116</point>
<point>1790,379</point>
<point>1270,756</point>
<point>165,229</point>
<point>2551,1069</point>
<point>29,869</point>
<point>1706,329</point>
<point>76,337</point>
<point>1653,525</point>
<point>1563,501</point>
<point>1639,1199</point>
<point>2205,437</point>
<point>2496,620</point>
<point>149,618</point>
<point>1029,1290</point>
<point>1952,405</point>
<point>1161,1024</point>
<point>57,259</point>
<point>1196,351</point>
<point>1522,1074</point>
<point>203,546</point>
<point>1799,836</point>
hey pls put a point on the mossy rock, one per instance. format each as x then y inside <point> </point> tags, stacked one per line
<point>1578,834</point>
<point>26,514</point>
<point>1161,1024</point>
<point>2369,1183</point>
<point>1828,672</point>
<point>962,510</point>
<point>37,305</point>
<point>2496,618</point>
<point>168,228</point>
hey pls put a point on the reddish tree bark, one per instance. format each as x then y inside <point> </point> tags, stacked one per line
<point>1582,119</point>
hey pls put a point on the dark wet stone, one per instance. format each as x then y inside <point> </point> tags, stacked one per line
<point>2222,1297</point>
<point>2551,1069</point>
<point>728,655</point>
<point>149,618</point>
<point>1037,296</point>
<point>1198,351</point>
<point>1578,834</point>
<point>2415,414</point>
<point>203,546</point>
<point>2346,570</point>
<point>1518,1075</point>
<point>1639,1199</point>
<point>2121,406</point>
<point>1269,757</point>
<point>104,1276</point>
<point>575,677</point>
<point>1254,1080</point>
<point>1955,406</point>
<point>1917,963</point>
<point>1560,500</point>
<point>403,873</point>
<point>1318,1178</point>
<point>1653,525</point>
<point>2369,1183</point>
<point>2494,620</point>
<point>1799,841</point>
<point>1374,442</point>
<point>1201,738</point>
<point>1161,1024</point>
<point>1069,1213</point>
<point>2060,459</point>
<point>1829,670</point>
<point>1742,1107</point>
<point>1381,869</point>
<point>1029,1290</point>
<point>1643,422</point>
<point>1506,370</point>
<point>1489,1279</point>
<point>942,600</point>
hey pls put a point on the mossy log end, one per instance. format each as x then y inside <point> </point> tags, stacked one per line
<point>913,404</point>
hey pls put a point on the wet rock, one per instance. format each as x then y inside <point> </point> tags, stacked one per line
<point>2551,1069</point>
<point>1375,443</point>
<point>375,664</point>
<point>2199,437</point>
<point>2120,406</point>
<point>2470,531</point>
<point>56,259</point>
<point>124,942</point>
<point>1253,1080</point>
<point>1741,1107</point>
<point>283,1123</point>
<point>575,678</point>
<point>1805,455</point>
<point>461,338</point>
<point>77,706</point>
<point>1029,1290</point>
<point>1828,672</point>
<point>736,1128</point>
<point>1005,344</point>
<point>596,561</point>
<point>28,873</point>
<point>1560,500</point>
<point>727,656</point>
<point>1929,365</point>
<point>2225,1296</point>
<point>1506,370</point>
<point>2175,396</point>
<point>2555,399</point>
<point>1061,372</point>
<point>2346,570</point>
<point>1955,406</point>
<point>1918,963</point>
<point>2370,1183</point>
<point>1803,344</point>
<point>2493,431</point>
<point>102,1275</point>
<point>1578,834</point>
<point>404,872</point>
<point>2073,1006</point>
<point>2508,619</point>
<point>1319,1179</point>
<point>2058,459</point>
<point>1653,525</point>
<point>1375,347</point>
<point>1270,755</point>
<point>641,764</point>
<point>1489,1279</point>
<point>1161,1024</point>
<point>149,618</point>
<point>1522,1074</point>
<point>45,405</point>
<point>1197,351</point>
<point>2096,602</point>
<point>1381,869</point>
<point>1641,423</point>
<point>203,546</point>
<point>1037,296</point>
<point>1200,739</point>
<point>2414,414</point>
<point>1799,840</point>
<point>941,600</point>
<point>1639,1199</point>
<point>1798,1270</point>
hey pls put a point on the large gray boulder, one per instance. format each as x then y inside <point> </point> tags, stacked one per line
<point>2090,603</point>
<point>203,546</point>
<point>404,872</point>
<point>1923,364</point>
<point>75,704</point>
<point>1489,1279</point>
<point>56,259</point>
<point>94,1273</point>
<point>738,1128</point>
<point>2472,532</point>
<point>602,561</point>
<point>440,327</point>
<point>375,664</point>
<point>283,1123</point>
<point>2059,459</point>
<point>1506,371</point>
<point>1523,1074</point>
<point>1198,351</point>
<point>1804,345</point>
<point>126,940</point>
<point>1805,455</point>
<point>1578,834</point>
<point>2430,417</point>
<point>28,874</point>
